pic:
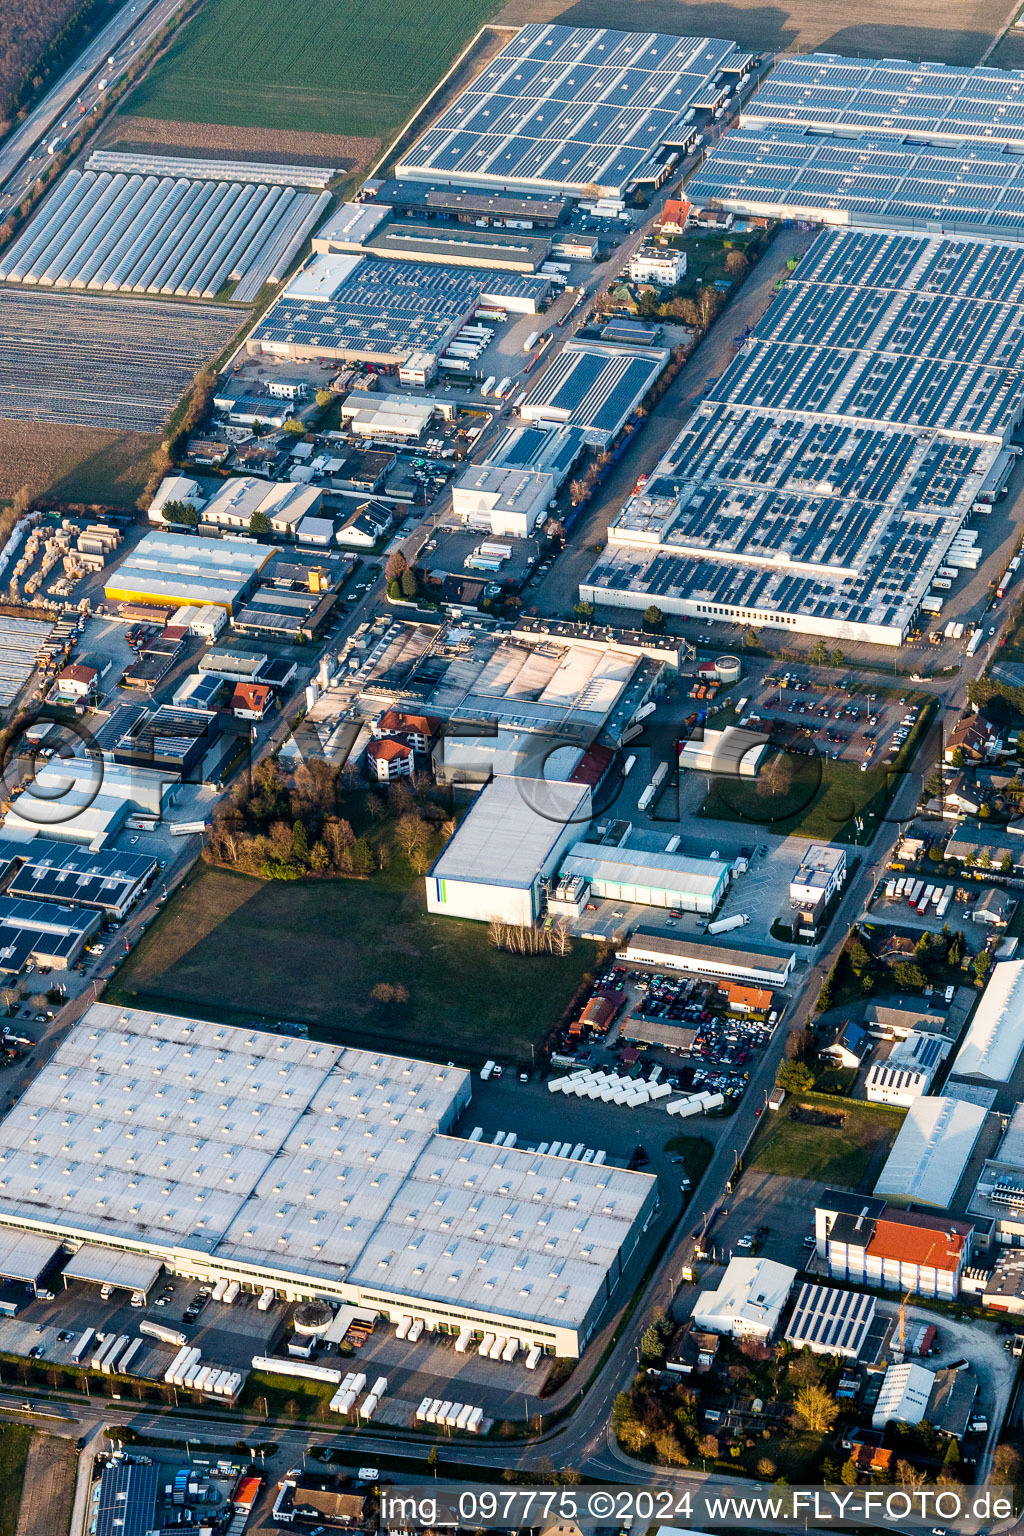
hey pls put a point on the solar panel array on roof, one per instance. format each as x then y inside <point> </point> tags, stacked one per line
<point>66,872</point>
<point>944,102</point>
<point>385,309</point>
<point>829,1321</point>
<point>823,479</point>
<point>595,386</point>
<point>566,108</point>
<point>874,179</point>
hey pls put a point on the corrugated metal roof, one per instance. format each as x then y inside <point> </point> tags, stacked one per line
<point>932,1150</point>
<point>994,1040</point>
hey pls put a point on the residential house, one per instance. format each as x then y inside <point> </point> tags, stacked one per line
<point>368,523</point>
<point>849,1047</point>
<point>674,216</point>
<point>250,701</point>
<point>389,759</point>
<point>75,682</point>
<point>971,739</point>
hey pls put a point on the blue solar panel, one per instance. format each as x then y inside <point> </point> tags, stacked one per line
<point>549,71</point>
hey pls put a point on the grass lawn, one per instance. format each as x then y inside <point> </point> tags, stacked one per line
<point>329,69</point>
<point>834,1154</point>
<point>235,948</point>
<point>821,797</point>
<point>14,1444</point>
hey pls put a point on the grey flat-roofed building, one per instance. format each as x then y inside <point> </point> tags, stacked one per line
<point>829,1321</point>
<point>318,1170</point>
<point>434,200</point>
<point>649,946</point>
<point>565,109</point>
<point>842,450</point>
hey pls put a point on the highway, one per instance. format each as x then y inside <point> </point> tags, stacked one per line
<point>66,107</point>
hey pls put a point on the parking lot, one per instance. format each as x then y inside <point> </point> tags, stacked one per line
<point>852,722</point>
<point>50,1330</point>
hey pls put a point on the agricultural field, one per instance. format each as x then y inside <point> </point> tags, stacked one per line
<point>236,948</point>
<point>74,464</point>
<point>920,29</point>
<point>149,135</point>
<point>333,71</point>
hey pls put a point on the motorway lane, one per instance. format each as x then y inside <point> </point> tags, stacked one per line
<point>133,26</point>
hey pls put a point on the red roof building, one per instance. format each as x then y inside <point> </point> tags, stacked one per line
<point>418,730</point>
<point>674,216</point>
<point>249,700</point>
<point>389,759</point>
<point>76,681</point>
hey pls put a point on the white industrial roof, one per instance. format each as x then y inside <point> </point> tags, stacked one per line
<point>511,829</point>
<point>1011,1148</point>
<point>23,1256</point>
<point>352,222</point>
<point>113,1266</point>
<point>749,1297</point>
<point>651,870</point>
<point>932,1150</point>
<point>321,278</point>
<point>289,1155</point>
<point>904,1396</point>
<point>995,1039</point>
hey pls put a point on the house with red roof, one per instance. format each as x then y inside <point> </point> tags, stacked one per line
<point>250,701</point>
<point>389,759</point>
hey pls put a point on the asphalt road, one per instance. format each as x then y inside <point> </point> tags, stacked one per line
<point>23,155</point>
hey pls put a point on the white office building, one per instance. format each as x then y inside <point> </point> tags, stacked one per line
<point>820,876</point>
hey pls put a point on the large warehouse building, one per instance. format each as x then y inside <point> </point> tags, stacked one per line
<point>178,570</point>
<point>875,142</point>
<point>507,847</point>
<point>315,1170</point>
<point>931,1152</point>
<point>572,109</point>
<point>994,1040</point>
<point>358,308</point>
<point>594,386</point>
<point>822,483</point>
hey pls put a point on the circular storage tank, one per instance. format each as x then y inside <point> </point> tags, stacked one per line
<point>728,669</point>
<point>312,1318</point>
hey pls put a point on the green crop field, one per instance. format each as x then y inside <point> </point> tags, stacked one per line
<point>233,948</point>
<point>339,69</point>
